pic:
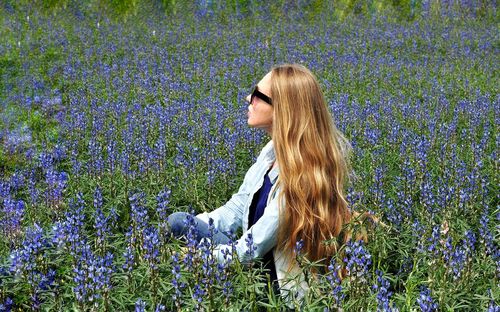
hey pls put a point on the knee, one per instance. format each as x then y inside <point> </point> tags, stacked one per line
<point>177,222</point>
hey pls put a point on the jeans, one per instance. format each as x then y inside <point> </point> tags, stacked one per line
<point>178,226</point>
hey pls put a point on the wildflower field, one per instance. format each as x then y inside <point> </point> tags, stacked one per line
<point>110,122</point>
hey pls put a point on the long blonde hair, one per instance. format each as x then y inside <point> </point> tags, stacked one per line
<point>311,153</point>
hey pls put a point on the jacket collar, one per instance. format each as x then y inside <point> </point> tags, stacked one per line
<point>270,158</point>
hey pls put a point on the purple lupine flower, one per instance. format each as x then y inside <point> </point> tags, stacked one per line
<point>92,276</point>
<point>23,260</point>
<point>160,308</point>
<point>56,183</point>
<point>335,282</point>
<point>33,191</point>
<point>434,240</point>
<point>151,247</point>
<point>35,301</point>
<point>192,239</point>
<point>129,262</point>
<point>378,189</point>
<point>492,306</point>
<point>163,199</point>
<point>101,222</point>
<point>208,265</point>
<point>250,246</point>
<point>112,154</point>
<point>76,163</point>
<point>17,181</point>
<point>50,105</point>
<point>358,260</point>
<point>126,163</point>
<point>198,294</point>
<point>69,233</point>
<point>222,275</point>
<point>177,284</point>
<point>427,194</point>
<point>372,135</point>
<point>58,234</point>
<point>59,153</point>
<point>140,305</point>
<point>406,266</point>
<point>84,273</point>
<point>102,225</point>
<point>383,293</point>
<point>105,269</point>
<point>139,212</point>
<point>97,198</point>
<point>4,274</point>
<point>212,230</point>
<point>298,247</point>
<point>419,229</point>
<point>469,242</point>
<point>207,258</point>
<point>96,163</point>
<point>485,235</point>
<point>425,300</point>
<point>12,215</point>
<point>457,261</point>
<point>461,254</point>
<point>5,191</point>
<point>7,305</point>
<point>223,269</point>
<point>46,161</point>
<point>17,140</point>
<point>409,172</point>
<point>232,242</point>
<point>47,280</point>
<point>160,151</point>
<point>393,215</point>
<point>40,282</point>
<point>405,203</point>
<point>447,249</point>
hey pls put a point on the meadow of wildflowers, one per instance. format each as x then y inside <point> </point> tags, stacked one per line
<point>109,124</point>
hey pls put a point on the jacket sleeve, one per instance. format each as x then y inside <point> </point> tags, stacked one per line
<point>263,234</point>
<point>229,216</point>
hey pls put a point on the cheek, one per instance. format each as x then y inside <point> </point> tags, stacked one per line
<point>271,115</point>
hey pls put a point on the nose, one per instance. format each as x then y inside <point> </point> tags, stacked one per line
<point>248,98</point>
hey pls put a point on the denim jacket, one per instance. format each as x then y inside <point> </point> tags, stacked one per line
<point>234,214</point>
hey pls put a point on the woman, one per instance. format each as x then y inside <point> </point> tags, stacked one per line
<point>293,194</point>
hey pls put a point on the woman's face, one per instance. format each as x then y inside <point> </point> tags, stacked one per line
<point>260,113</point>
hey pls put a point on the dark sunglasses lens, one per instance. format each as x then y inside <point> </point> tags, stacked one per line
<point>260,95</point>
<point>254,94</point>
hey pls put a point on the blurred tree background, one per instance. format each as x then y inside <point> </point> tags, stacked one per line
<point>403,10</point>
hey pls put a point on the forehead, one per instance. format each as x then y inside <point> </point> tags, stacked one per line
<point>264,84</point>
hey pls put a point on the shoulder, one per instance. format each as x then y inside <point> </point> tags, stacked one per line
<point>268,149</point>
<point>267,153</point>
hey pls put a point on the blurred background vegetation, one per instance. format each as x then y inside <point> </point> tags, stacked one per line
<point>403,10</point>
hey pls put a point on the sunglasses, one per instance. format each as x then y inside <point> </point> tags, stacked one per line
<point>260,95</point>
